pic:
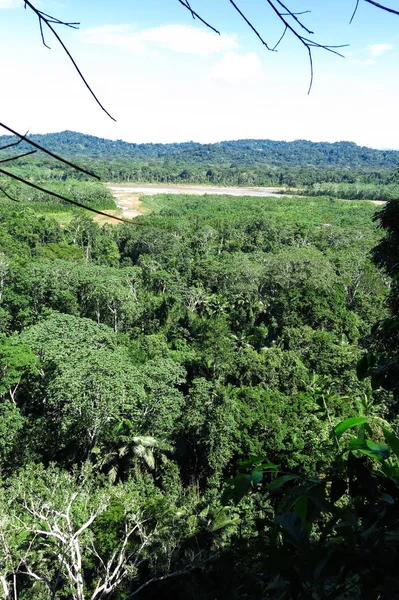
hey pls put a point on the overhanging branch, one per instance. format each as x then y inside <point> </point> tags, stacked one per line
<point>64,198</point>
<point>383,7</point>
<point>49,21</point>
<point>292,24</point>
<point>32,143</point>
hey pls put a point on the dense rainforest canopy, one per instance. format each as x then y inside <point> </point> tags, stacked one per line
<point>157,378</point>
<point>300,153</point>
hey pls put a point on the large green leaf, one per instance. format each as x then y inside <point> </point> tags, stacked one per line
<point>369,448</point>
<point>280,481</point>
<point>392,441</point>
<point>294,530</point>
<point>349,424</point>
<point>223,519</point>
<point>256,477</point>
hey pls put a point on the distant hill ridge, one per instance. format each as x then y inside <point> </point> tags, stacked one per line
<point>270,153</point>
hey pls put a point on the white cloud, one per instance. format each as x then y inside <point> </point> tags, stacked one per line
<point>178,38</point>
<point>10,3</point>
<point>235,67</point>
<point>378,49</point>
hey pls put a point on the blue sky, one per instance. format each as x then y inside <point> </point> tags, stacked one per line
<point>167,78</point>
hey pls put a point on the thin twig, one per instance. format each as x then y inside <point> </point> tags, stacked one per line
<point>281,39</point>
<point>3,191</point>
<point>187,3</point>
<point>60,197</point>
<point>196,15</point>
<point>13,143</point>
<point>294,16</point>
<point>309,44</point>
<point>283,13</point>
<point>303,12</point>
<point>49,21</point>
<point>63,160</point>
<point>42,34</point>
<point>250,25</point>
<point>18,156</point>
<point>355,11</point>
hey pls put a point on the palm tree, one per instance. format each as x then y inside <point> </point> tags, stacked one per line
<point>128,452</point>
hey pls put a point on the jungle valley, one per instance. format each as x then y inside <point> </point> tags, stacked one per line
<point>201,403</point>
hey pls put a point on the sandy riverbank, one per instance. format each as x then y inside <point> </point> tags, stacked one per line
<point>149,189</point>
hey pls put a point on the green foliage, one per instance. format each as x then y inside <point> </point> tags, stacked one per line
<point>334,534</point>
<point>92,194</point>
<point>139,365</point>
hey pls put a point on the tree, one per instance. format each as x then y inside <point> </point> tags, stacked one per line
<point>65,535</point>
<point>382,362</point>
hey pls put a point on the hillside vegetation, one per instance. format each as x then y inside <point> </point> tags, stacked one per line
<point>242,162</point>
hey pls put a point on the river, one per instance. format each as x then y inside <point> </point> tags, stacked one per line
<point>150,189</point>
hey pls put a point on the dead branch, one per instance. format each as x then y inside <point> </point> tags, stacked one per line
<point>13,143</point>
<point>355,11</point>
<point>32,143</point>
<point>283,13</point>
<point>3,191</point>
<point>195,15</point>
<point>49,21</point>
<point>383,7</point>
<point>306,42</point>
<point>250,24</point>
<point>60,197</point>
<point>18,156</point>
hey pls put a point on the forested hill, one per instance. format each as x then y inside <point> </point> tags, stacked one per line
<point>267,153</point>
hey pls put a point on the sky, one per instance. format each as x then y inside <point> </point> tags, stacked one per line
<point>165,77</point>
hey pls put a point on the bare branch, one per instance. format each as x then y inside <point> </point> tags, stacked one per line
<point>42,34</point>
<point>303,12</point>
<point>55,195</point>
<point>14,143</point>
<point>294,16</point>
<point>18,156</point>
<point>3,191</point>
<point>281,39</point>
<point>309,44</point>
<point>92,518</point>
<point>196,15</point>
<point>283,12</point>
<point>59,158</point>
<point>311,69</point>
<point>250,24</point>
<point>49,21</point>
<point>382,7</point>
<point>72,25</point>
<point>355,11</point>
<point>35,576</point>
